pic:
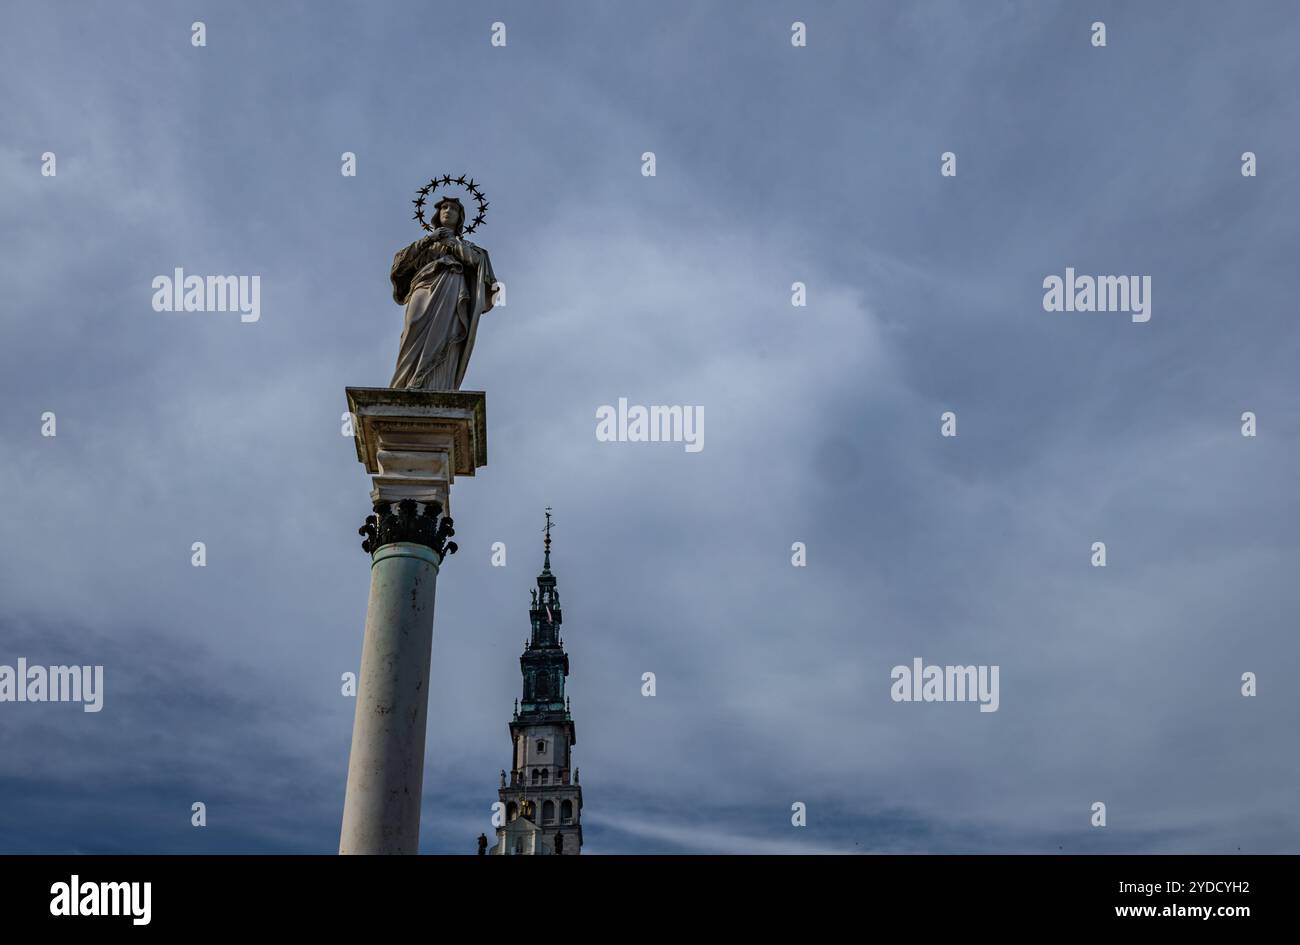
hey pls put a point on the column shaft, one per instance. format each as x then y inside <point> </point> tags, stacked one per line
<point>381,811</point>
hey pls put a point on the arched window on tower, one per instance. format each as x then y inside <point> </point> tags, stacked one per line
<point>512,811</point>
<point>541,746</point>
<point>546,776</point>
<point>548,812</point>
<point>566,812</point>
<point>537,776</point>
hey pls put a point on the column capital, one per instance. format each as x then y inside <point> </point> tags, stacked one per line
<point>387,527</point>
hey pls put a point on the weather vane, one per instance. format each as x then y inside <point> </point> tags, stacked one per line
<point>546,565</point>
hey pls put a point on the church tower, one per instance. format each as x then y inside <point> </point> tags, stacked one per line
<point>541,796</point>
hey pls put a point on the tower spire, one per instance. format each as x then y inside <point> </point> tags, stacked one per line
<point>543,804</point>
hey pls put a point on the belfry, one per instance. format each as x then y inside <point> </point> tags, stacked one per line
<point>541,798</point>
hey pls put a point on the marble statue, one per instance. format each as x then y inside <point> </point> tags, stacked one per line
<point>446,283</point>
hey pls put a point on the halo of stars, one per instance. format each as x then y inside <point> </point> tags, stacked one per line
<point>424,192</point>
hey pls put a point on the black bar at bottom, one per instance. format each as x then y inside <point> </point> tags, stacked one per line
<point>213,894</point>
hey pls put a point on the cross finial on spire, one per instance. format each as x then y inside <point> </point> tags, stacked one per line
<point>546,562</point>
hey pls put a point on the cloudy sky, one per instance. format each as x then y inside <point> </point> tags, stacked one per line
<point>774,164</point>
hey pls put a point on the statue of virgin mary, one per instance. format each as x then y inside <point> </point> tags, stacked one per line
<point>446,283</point>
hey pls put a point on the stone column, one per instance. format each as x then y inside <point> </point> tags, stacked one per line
<point>413,443</point>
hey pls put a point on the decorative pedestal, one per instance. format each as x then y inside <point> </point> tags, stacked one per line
<point>413,443</point>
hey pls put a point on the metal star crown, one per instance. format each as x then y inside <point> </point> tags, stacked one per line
<point>443,181</point>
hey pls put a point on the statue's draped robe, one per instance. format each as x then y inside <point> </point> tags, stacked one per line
<point>445,290</point>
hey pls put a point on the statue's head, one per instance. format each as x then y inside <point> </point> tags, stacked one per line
<point>449,212</point>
